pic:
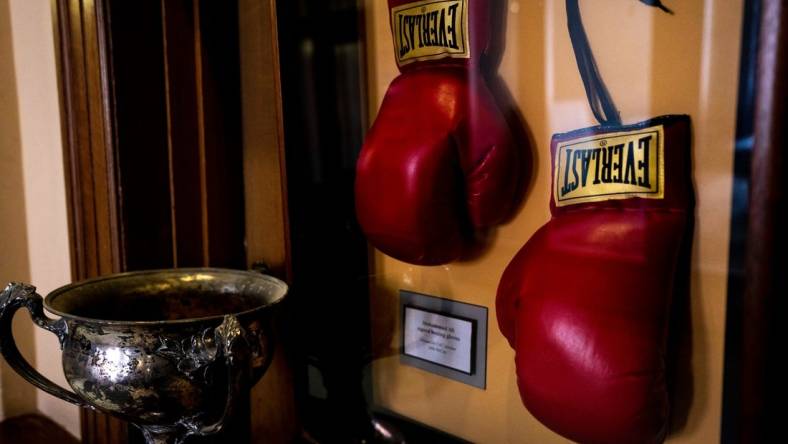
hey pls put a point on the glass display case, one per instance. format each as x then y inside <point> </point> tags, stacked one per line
<point>500,221</point>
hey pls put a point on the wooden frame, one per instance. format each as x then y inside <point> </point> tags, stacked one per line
<point>762,370</point>
<point>91,179</point>
<point>147,115</point>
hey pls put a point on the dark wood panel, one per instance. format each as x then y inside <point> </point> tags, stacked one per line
<point>140,116</point>
<point>219,90</point>
<point>764,306</point>
<point>324,97</point>
<point>180,65</point>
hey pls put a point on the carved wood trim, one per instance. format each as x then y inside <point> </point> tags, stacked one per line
<point>155,154</point>
<point>91,176</point>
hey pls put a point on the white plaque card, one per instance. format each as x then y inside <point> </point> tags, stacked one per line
<point>437,338</point>
<point>445,337</point>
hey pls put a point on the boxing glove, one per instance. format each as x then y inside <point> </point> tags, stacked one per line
<point>585,302</point>
<point>439,164</point>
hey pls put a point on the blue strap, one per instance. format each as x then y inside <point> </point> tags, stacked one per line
<point>599,98</point>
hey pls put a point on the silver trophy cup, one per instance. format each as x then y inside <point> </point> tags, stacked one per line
<point>170,351</point>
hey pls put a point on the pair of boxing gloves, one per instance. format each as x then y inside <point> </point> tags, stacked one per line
<point>585,302</point>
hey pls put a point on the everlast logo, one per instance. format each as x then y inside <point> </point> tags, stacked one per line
<point>429,30</point>
<point>610,166</point>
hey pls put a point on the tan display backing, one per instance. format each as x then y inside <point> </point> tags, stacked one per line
<point>653,64</point>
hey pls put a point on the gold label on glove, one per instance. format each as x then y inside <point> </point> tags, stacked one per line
<point>430,30</point>
<point>610,166</point>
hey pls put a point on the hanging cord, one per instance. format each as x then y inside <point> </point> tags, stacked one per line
<point>657,4</point>
<point>598,96</point>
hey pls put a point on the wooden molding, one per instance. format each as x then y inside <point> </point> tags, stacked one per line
<point>766,284</point>
<point>162,167</point>
<point>273,406</point>
<point>91,177</point>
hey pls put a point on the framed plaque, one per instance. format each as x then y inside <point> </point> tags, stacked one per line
<point>444,337</point>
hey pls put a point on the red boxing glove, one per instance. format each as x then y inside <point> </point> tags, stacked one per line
<point>440,162</point>
<point>585,302</point>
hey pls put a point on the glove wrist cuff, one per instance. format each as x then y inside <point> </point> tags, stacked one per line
<point>640,166</point>
<point>439,32</point>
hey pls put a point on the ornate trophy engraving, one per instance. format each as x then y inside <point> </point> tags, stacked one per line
<point>170,351</point>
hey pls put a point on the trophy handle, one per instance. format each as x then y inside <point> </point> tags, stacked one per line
<point>15,296</point>
<point>228,336</point>
<point>259,336</point>
<point>266,331</point>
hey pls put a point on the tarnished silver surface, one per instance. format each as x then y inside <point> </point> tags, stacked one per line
<point>168,350</point>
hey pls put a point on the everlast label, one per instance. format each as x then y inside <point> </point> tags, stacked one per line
<point>430,29</point>
<point>610,166</point>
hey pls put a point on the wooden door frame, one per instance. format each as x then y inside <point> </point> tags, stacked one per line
<point>95,197</point>
<point>763,305</point>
